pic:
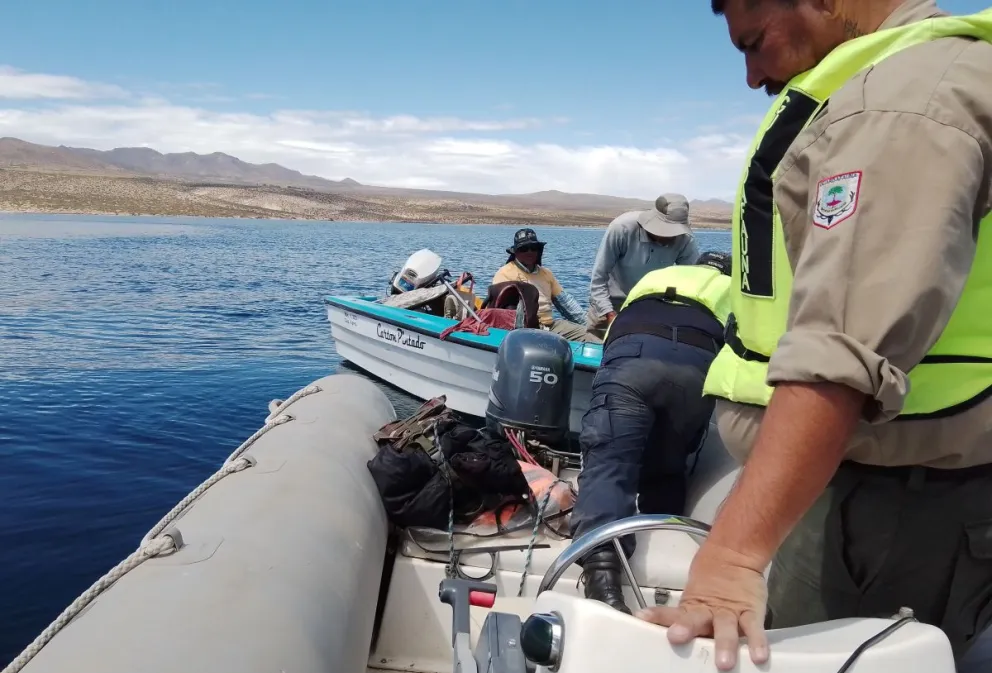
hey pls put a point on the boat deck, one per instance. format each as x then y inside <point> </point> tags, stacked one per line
<point>393,343</point>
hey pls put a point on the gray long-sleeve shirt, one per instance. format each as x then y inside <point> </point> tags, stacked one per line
<point>625,255</point>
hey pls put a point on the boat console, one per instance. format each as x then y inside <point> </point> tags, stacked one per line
<point>569,634</point>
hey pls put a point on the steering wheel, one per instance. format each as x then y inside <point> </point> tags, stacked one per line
<point>612,532</point>
<point>541,635</point>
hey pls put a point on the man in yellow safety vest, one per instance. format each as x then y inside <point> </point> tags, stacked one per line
<point>856,378</point>
<point>647,413</point>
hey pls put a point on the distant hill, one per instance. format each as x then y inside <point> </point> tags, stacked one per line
<point>557,200</point>
<point>192,166</point>
<point>221,168</point>
<point>711,203</point>
<point>16,153</point>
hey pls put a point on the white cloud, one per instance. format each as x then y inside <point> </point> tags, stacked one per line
<point>436,153</point>
<point>16,84</point>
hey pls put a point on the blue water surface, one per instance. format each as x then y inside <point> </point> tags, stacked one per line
<point>137,353</point>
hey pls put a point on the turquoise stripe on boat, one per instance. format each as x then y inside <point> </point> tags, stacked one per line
<point>586,356</point>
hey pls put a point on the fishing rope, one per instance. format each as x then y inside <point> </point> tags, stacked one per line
<point>450,569</point>
<point>518,441</point>
<point>518,444</point>
<point>446,471</point>
<point>156,542</point>
<point>538,518</point>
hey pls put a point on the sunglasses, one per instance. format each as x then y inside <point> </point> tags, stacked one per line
<point>528,248</point>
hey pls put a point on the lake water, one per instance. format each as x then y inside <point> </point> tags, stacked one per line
<point>137,353</point>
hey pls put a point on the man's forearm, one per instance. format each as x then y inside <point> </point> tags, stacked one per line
<point>599,294</point>
<point>799,446</point>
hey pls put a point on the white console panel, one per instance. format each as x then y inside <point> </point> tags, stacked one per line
<point>598,639</point>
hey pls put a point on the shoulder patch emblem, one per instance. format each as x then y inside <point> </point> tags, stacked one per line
<point>836,199</point>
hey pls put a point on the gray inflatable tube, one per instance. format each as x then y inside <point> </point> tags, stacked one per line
<point>279,563</point>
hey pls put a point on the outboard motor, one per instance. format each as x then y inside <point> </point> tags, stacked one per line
<point>422,269</point>
<point>531,388</point>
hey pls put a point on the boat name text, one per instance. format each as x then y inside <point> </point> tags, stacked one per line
<point>398,335</point>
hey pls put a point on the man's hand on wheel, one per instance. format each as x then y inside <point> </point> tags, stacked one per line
<point>724,599</point>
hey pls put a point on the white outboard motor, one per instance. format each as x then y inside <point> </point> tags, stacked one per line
<point>422,269</point>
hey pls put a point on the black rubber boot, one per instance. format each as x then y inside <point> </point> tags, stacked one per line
<point>601,571</point>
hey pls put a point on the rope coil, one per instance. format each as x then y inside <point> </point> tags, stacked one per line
<point>158,541</point>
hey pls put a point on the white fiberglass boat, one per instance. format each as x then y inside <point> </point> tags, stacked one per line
<point>401,339</point>
<point>404,348</point>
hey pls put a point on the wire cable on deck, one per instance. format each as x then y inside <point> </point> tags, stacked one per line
<point>877,638</point>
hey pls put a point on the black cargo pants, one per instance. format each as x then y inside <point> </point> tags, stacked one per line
<point>646,417</point>
<point>879,539</point>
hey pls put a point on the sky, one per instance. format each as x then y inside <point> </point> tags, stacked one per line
<point>629,98</point>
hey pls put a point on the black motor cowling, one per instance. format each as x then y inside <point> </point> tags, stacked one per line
<point>531,388</point>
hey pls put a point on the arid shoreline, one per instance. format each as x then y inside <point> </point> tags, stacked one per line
<point>39,191</point>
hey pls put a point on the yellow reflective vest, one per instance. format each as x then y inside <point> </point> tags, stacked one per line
<point>693,285</point>
<point>958,368</point>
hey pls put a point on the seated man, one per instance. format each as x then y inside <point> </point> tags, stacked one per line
<point>647,413</point>
<point>524,265</point>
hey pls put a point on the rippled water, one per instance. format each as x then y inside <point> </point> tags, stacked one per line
<point>137,353</point>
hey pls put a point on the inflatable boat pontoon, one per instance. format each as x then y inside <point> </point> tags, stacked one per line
<point>281,563</point>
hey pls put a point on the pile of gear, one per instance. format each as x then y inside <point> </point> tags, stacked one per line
<point>442,478</point>
<point>435,471</point>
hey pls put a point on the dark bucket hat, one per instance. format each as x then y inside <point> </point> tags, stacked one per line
<point>525,238</point>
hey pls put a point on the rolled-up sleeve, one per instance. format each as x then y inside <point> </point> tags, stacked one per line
<point>891,219</point>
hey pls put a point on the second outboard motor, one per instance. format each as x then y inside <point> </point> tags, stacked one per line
<point>422,269</point>
<point>531,388</point>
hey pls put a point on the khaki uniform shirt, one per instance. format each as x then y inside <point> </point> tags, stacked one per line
<point>873,291</point>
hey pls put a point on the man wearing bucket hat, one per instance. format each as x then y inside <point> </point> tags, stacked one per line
<point>524,265</point>
<point>636,243</point>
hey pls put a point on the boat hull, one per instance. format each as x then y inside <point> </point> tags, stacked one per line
<point>403,348</point>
